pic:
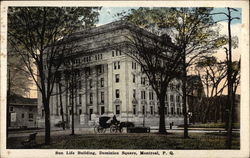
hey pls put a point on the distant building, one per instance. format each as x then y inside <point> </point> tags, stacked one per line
<point>22,112</point>
<point>195,91</point>
<point>212,109</point>
<point>110,83</point>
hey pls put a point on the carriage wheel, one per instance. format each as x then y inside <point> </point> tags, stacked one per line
<point>113,129</point>
<point>120,129</point>
<point>100,129</point>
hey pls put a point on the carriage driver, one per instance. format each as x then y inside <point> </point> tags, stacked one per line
<point>115,121</point>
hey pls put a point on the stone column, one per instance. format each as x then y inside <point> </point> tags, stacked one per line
<point>110,88</point>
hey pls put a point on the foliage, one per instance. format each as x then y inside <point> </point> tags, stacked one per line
<point>159,61</point>
<point>38,35</point>
<point>191,29</point>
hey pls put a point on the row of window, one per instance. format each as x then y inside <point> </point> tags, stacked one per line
<point>91,98</point>
<point>151,96</point>
<point>11,109</point>
<point>116,53</point>
<point>117,95</point>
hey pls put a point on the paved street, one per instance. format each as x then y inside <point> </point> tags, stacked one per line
<point>90,130</point>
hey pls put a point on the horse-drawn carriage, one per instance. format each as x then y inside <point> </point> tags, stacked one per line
<point>114,125</point>
<point>106,122</point>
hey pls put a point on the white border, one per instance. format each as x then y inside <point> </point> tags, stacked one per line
<point>243,152</point>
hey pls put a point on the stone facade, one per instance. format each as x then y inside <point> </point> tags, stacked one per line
<point>110,82</point>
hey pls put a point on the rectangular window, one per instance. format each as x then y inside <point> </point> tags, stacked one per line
<point>134,109</point>
<point>177,98</point>
<point>151,110</point>
<point>143,80</point>
<point>102,110</point>
<point>118,64</point>
<point>133,65</point>
<point>90,83</point>
<point>100,69</point>
<point>143,95</point>
<point>30,117</point>
<point>80,111</point>
<point>117,93</point>
<point>143,110</point>
<point>22,115</point>
<point>151,95</point>
<point>172,110</point>
<point>80,99</point>
<point>113,53</point>
<point>102,82</point>
<point>133,78</point>
<point>91,98</point>
<point>11,109</point>
<point>134,93</point>
<point>117,109</point>
<point>117,78</point>
<point>102,97</point>
<point>171,98</point>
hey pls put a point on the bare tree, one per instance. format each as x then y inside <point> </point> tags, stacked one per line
<point>33,32</point>
<point>159,60</point>
<point>213,74</point>
<point>230,77</point>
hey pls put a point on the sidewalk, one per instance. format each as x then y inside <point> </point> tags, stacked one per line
<point>90,130</point>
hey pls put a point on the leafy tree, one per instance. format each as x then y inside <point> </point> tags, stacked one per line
<point>192,30</point>
<point>159,60</point>
<point>38,35</point>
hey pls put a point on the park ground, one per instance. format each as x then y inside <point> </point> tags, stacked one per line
<point>201,138</point>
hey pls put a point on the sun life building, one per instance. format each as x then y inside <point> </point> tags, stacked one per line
<point>110,83</point>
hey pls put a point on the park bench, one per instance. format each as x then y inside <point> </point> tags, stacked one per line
<point>31,141</point>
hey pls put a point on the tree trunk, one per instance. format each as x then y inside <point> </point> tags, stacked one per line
<point>162,125</point>
<point>47,121</point>
<point>184,99</point>
<point>72,106</point>
<point>61,104</point>
<point>230,85</point>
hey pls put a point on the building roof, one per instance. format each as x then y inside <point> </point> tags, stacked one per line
<point>88,41</point>
<point>19,100</point>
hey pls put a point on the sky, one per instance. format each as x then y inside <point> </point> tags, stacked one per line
<point>107,14</point>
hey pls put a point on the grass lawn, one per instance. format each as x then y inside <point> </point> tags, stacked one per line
<point>211,125</point>
<point>131,141</point>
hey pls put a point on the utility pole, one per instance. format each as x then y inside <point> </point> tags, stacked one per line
<point>8,106</point>
<point>230,99</point>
